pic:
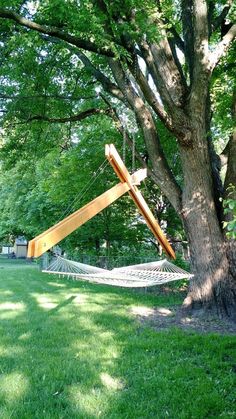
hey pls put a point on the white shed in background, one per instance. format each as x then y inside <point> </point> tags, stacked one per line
<point>6,249</point>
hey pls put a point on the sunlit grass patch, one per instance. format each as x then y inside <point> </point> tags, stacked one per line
<point>13,387</point>
<point>88,404</point>
<point>57,284</point>
<point>8,305</point>
<point>110,382</point>
<point>75,350</point>
<point>10,310</point>
<point>44,301</point>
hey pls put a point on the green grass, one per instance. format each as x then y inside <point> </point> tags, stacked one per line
<point>73,350</point>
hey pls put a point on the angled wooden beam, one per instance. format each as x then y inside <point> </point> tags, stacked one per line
<point>123,174</point>
<point>59,231</point>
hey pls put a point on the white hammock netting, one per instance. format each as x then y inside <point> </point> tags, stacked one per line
<point>142,275</point>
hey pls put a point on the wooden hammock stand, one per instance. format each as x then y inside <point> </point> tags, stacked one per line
<point>128,183</point>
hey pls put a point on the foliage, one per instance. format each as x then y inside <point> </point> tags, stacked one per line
<point>36,194</point>
<point>45,166</point>
<point>229,205</point>
<point>222,93</point>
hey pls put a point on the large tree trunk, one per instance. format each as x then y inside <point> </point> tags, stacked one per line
<point>213,286</point>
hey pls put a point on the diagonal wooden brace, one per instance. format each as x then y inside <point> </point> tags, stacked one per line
<point>124,175</point>
<point>59,231</point>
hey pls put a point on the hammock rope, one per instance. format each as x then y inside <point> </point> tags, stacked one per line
<point>78,198</point>
<point>134,276</point>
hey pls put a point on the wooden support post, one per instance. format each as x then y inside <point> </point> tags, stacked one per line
<point>123,174</point>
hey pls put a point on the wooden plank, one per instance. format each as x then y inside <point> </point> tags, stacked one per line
<point>62,229</point>
<point>118,165</point>
<point>138,176</point>
<point>56,233</point>
<point>123,174</point>
<point>30,251</point>
<point>151,221</point>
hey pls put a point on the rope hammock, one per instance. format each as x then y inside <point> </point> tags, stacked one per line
<point>135,276</point>
<point>142,275</point>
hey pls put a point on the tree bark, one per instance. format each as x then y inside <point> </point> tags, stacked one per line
<point>230,179</point>
<point>213,286</point>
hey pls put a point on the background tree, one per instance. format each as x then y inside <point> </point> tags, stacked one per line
<point>157,59</point>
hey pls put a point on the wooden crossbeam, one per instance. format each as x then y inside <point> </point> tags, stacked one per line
<point>59,231</point>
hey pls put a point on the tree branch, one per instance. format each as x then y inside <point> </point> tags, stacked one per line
<point>122,130</point>
<point>161,63</point>
<point>107,84</point>
<point>171,29</point>
<point>175,120</point>
<point>188,35</point>
<point>59,97</point>
<point>176,59</point>
<point>201,73</point>
<point>173,125</point>
<point>164,72</point>
<point>72,118</point>
<point>163,173</point>
<point>221,17</point>
<point>176,191</point>
<point>222,47</point>
<point>200,27</point>
<point>55,32</point>
<point>151,97</point>
<point>177,39</point>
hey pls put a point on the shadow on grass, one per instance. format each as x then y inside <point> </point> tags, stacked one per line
<point>90,359</point>
<point>62,304</point>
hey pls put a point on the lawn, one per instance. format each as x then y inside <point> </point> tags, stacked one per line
<point>74,350</point>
